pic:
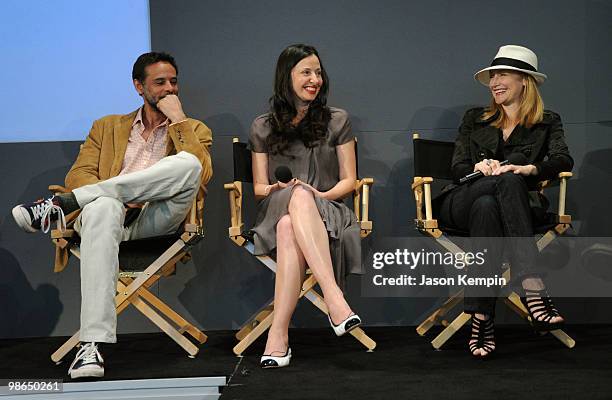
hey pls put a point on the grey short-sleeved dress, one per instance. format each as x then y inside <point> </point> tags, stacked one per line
<point>317,166</point>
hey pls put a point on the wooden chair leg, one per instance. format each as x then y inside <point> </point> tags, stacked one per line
<point>162,324</point>
<point>358,333</point>
<point>65,348</point>
<point>450,330</point>
<point>437,315</point>
<point>144,292</point>
<point>182,324</point>
<point>266,322</point>
<point>175,335</point>
<point>126,282</point>
<point>515,303</point>
<point>254,334</point>
<point>129,294</point>
<point>564,338</point>
<point>254,320</point>
<point>451,302</point>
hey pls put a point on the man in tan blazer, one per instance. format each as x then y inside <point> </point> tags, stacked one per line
<point>135,177</point>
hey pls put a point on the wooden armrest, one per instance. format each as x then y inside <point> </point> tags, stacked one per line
<point>563,176</point>
<point>192,217</point>
<point>361,204</point>
<point>57,189</point>
<point>235,202</point>
<point>194,223</point>
<point>59,234</point>
<point>421,187</point>
<point>419,181</point>
<point>232,186</point>
<point>360,182</point>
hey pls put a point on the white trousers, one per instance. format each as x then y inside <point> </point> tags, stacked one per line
<point>168,188</point>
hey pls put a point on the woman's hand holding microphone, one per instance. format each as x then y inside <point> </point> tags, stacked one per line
<point>494,167</point>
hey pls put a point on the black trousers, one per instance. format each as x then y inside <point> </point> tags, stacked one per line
<point>495,210</point>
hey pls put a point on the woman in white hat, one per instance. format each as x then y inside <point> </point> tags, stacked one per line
<point>502,202</point>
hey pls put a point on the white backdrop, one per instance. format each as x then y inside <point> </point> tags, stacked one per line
<point>66,63</point>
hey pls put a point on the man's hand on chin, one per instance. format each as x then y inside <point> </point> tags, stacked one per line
<point>170,105</point>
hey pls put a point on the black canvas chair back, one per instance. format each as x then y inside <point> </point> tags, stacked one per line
<point>433,158</point>
<point>243,171</point>
<point>137,255</point>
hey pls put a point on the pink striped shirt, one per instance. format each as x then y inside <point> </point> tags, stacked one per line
<point>141,153</point>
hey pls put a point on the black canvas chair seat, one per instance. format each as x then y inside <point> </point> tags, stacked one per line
<point>548,223</point>
<point>137,255</point>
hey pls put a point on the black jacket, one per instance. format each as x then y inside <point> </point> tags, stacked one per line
<point>543,144</point>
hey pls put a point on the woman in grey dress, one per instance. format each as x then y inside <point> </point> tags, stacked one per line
<point>303,220</point>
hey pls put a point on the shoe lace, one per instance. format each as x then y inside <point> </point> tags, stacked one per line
<point>45,210</point>
<point>88,354</point>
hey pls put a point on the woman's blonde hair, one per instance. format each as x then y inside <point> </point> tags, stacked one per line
<point>531,109</point>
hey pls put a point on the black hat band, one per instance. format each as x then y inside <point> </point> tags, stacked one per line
<point>511,62</point>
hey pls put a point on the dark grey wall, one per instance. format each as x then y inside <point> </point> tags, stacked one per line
<point>396,67</point>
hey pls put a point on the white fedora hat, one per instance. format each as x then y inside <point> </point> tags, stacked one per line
<point>516,58</point>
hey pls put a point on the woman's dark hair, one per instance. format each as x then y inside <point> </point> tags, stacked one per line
<point>313,127</point>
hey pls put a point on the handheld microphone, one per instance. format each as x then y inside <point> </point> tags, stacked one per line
<point>283,174</point>
<point>476,174</point>
<point>513,158</point>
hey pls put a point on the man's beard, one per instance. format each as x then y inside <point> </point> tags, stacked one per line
<point>151,101</point>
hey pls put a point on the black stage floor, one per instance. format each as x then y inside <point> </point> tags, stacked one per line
<point>404,365</point>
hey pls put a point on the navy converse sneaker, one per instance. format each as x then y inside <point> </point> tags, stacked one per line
<point>39,215</point>
<point>88,362</point>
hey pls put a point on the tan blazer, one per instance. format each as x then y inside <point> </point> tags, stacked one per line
<point>101,158</point>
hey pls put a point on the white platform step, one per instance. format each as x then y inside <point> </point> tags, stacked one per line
<point>167,389</point>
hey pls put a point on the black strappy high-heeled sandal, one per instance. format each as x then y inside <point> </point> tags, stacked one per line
<point>483,336</point>
<point>538,302</point>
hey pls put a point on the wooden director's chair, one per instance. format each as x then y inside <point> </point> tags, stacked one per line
<point>432,159</point>
<point>257,324</point>
<point>141,264</point>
